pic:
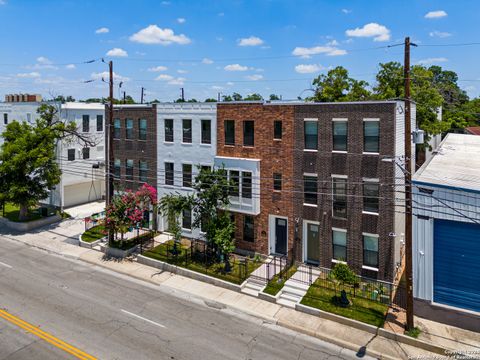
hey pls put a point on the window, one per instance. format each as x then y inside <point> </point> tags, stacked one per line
<point>187,130</point>
<point>116,168</point>
<point>340,130</point>
<point>116,129</point>
<point>142,171</point>
<point>310,189</point>
<point>370,196</point>
<point>142,129</point>
<point>277,181</point>
<point>370,250</point>
<point>234,183</point>
<point>71,154</point>
<point>86,153</point>
<point>187,175</point>
<point>206,132</point>
<point>246,185</point>
<point>85,123</point>
<point>168,125</point>
<point>29,118</point>
<point>277,130</point>
<point>248,133</point>
<point>339,241</point>
<point>340,198</point>
<point>187,219</point>
<point>169,174</point>
<point>129,169</point>
<point>248,232</point>
<point>229,132</point>
<point>371,136</point>
<point>5,118</point>
<point>99,122</point>
<point>311,135</point>
<point>129,129</point>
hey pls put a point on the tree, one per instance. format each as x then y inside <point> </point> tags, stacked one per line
<point>172,206</point>
<point>342,274</point>
<point>210,204</point>
<point>336,85</point>
<point>274,97</point>
<point>227,98</point>
<point>62,99</point>
<point>28,166</point>
<point>236,97</point>
<point>253,97</point>
<point>210,100</point>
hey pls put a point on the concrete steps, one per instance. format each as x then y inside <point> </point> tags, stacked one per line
<point>296,287</point>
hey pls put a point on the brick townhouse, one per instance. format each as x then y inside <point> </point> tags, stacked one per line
<point>317,182</point>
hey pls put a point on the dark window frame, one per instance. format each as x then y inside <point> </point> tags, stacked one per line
<point>169,173</point>
<point>234,183</point>
<point>340,141</point>
<point>71,154</point>
<point>117,128</point>
<point>99,123</point>
<point>129,170</point>
<point>277,181</point>
<point>117,168</point>
<point>247,186</point>
<point>206,134</point>
<point>371,203</point>
<point>249,133</point>
<point>85,153</point>
<point>187,220</point>
<point>310,140</point>
<point>186,132</point>
<point>142,171</point>
<point>229,129</point>
<point>368,140</point>
<point>187,177</point>
<point>85,123</point>
<point>277,130</point>
<point>168,126</point>
<point>248,228</point>
<point>310,190</point>
<point>339,197</point>
<point>5,118</point>
<point>142,131</point>
<point>129,130</point>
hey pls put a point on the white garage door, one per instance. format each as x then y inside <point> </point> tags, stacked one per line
<point>82,193</point>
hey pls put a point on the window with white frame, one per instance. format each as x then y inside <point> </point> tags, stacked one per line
<point>370,250</point>
<point>371,136</point>
<point>339,243</point>
<point>310,189</point>
<point>339,187</point>
<point>311,134</point>
<point>371,189</point>
<point>340,134</point>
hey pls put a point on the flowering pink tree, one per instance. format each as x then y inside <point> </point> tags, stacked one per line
<point>126,210</point>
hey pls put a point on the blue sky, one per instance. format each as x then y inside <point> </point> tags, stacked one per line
<point>224,46</point>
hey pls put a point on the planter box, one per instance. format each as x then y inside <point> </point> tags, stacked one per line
<point>268,297</point>
<point>118,253</point>
<point>89,245</point>
<point>188,273</point>
<point>29,225</point>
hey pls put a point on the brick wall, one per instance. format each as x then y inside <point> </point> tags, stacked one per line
<point>135,149</point>
<point>276,157</point>
<point>356,166</point>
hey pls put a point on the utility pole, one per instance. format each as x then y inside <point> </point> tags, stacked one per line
<point>408,187</point>
<point>218,97</point>
<point>109,157</point>
<point>124,97</point>
<point>183,95</point>
<point>141,97</point>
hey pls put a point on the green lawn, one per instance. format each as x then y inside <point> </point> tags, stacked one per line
<point>12,212</point>
<point>367,311</point>
<point>276,284</point>
<point>236,276</point>
<point>93,234</point>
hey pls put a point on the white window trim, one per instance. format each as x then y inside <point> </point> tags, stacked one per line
<point>370,213</point>
<point>310,150</point>
<point>339,229</point>
<point>339,261</point>
<point>310,119</point>
<point>310,174</point>
<point>339,152</point>
<point>369,234</point>
<point>340,119</point>
<point>371,180</point>
<point>338,176</point>
<point>370,153</point>
<point>369,268</point>
<point>310,205</point>
<point>371,119</point>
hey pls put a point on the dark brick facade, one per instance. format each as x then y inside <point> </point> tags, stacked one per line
<point>356,166</point>
<point>135,149</point>
<point>275,156</point>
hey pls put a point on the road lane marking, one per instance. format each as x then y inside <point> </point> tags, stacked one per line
<point>79,354</point>
<point>6,265</point>
<point>142,318</point>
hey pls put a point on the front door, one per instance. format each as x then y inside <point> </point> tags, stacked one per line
<point>313,243</point>
<point>281,236</point>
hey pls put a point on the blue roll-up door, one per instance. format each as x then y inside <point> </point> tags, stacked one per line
<point>456,277</point>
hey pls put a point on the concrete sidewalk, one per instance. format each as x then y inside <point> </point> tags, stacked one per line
<point>59,240</point>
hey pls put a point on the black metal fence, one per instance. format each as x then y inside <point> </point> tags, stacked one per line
<point>371,289</point>
<point>197,255</point>
<point>275,264</point>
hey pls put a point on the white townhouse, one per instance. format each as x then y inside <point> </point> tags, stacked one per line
<point>83,169</point>
<point>186,139</point>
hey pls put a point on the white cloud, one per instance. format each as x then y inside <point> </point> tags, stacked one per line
<point>158,68</point>
<point>250,41</point>
<point>70,66</point>
<point>435,14</point>
<point>216,87</point>
<point>377,31</point>
<point>254,77</point>
<point>346,11</point>
<point>32,74</point>
<point>105,75</point>
<point>333,43</point>
<point>102,30</point>
<point>164,77</point>
<point>308,68</point>
<point>42,63</point>
<point>235,67</point>
<point>177,81</point>
<point>43,60</point>
<point>181,71</point>
<point>207,61</point>
<point>308,52</point>
<point>152,34</point>
<point>440,34</point>
<point>181,20</point>
<point>3,2</point>
<point>429,61</point>
<point>230,83</point>
<point>117,52</point>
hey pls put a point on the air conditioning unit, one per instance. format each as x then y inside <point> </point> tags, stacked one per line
<point>418,136</point>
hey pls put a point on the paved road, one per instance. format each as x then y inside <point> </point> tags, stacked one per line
<point>110,316</point>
